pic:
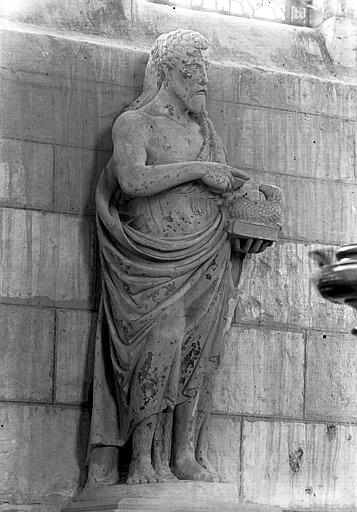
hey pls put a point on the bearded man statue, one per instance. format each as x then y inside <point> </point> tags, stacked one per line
<point>167,286</point>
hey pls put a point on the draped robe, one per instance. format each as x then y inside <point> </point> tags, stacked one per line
<point>156,251</point>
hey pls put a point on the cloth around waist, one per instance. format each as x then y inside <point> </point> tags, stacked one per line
<point>182,210</point>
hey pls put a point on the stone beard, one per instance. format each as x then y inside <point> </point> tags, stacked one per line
<point>167,286</point>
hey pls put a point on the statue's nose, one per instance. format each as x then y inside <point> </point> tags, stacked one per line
<point>204,81</point>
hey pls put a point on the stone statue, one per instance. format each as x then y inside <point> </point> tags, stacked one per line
<point>168,291</point>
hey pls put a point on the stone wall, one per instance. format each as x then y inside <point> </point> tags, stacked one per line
<point>285,409</point>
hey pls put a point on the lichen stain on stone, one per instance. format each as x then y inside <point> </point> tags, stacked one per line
<point>142,374</point>
<point>295,459</point>
<point>331,432</point>
<point>150,380</point>
<point>309,490</point>
<point>189,361</point>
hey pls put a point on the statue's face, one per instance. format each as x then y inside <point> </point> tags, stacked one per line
<point>188,80</point>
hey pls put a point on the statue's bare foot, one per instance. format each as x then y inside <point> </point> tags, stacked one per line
<point>165,473</point>
<point>142,472</point>
<point>187,468</point>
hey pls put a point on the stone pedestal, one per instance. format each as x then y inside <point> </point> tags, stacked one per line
<point>181,496</point>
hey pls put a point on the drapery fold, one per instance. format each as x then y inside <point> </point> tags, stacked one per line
<point>144,274</point>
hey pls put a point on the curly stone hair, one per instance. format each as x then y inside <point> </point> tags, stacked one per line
<point>169,48</point>
<point>166,52</point>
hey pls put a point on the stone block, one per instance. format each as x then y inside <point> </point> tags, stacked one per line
<point>266,88</point>
<point>47,507</point>
<point>317,211</point>
<point>327,97</point>
<point>58,110</point>
<point>76,175</point>
<point>300,465</point>
<point>266,139</point>
<point>47,258</point>
<point>181,496</point>
<point>276,288</point>
<point>75,335</point>
<point>41,451</point>
<point>262,373</point>
<point>297,93</point>
<point>331,377</point>
<point>86,110</point>
<point>26,173</point>
<point>72,57</point>
<point>27,345</point>
<point>224,447</point>
<point>223,82</point>
<point>26,106</point>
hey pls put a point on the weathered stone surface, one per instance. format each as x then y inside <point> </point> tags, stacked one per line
<point>74,355</point>
<point>41,452</point>
<point>340,36</point>
<point>298,93</point>
<point>47,257</point>
<point>330,98</point>
<point>266,139</point>
<point>200,491</point>
<point>262,373</point>
<point>234,39</point>
<point>85,112</point>
<point>331,215</point>
<point>331,377</point>
<point>26,345</point>
<point>300,465</point>
<point>26,173</point>
<point>276,288</point>
<point>47,507</point>
<point>26,106</point>
<point>148,497</point>
<point>72,57</point>
<point>70,112</point>
<point>76,176</point>
<point>224,447</point>
<point>110,62</point>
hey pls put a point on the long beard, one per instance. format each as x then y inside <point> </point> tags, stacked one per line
<point>195,104</point>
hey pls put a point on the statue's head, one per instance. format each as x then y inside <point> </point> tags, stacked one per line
<point>181,59</point>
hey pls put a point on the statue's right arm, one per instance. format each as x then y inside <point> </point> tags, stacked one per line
<point>136,178</point>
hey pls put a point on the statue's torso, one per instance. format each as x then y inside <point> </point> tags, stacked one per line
<point>185,209</point>
<point>168,141</point>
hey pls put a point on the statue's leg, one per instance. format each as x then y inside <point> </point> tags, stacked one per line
<point>203,416</point>
<point>155,370</point>
<point>141,470</point>
<point>161,454</point>
<point>184,462</point>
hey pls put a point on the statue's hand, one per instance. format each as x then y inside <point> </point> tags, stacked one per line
<point>218,177</point>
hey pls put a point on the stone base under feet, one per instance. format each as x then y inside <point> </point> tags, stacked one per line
<point>181,496</point>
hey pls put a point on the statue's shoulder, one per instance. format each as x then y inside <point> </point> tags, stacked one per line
<point>137,120</point>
